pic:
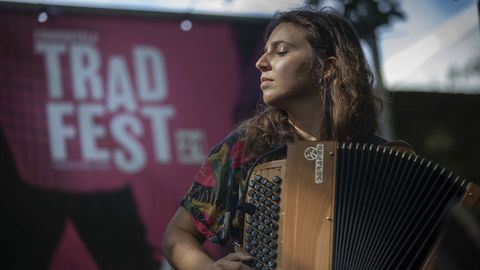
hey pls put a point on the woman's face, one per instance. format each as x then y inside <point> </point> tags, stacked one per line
<point>286,67</point>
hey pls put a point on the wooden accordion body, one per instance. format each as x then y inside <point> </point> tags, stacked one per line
<point>347,206</point>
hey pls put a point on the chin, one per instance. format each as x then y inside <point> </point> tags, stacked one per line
<point>269,95</point>
<point>268,100</point>
<point>272,102</point>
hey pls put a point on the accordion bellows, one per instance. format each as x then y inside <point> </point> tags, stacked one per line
<point>347,206</point>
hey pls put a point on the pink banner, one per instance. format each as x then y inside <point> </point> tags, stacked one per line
<point>93,104</point>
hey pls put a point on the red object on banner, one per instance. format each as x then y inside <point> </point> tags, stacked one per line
<point>91,104</point>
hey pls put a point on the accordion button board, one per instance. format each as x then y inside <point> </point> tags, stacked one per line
<point>261,235</point>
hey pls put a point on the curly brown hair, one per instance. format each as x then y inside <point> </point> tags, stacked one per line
<point>350,107</point>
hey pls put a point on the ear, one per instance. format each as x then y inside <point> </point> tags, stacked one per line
<point>331,67</point>
<point>332,60</point>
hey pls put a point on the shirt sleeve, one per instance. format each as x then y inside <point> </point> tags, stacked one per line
<point>206,198</point>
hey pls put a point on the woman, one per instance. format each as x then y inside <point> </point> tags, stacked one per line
<point>316,85</point>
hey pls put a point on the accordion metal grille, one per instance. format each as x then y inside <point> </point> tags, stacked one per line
<point>388,207</point>
<point>377,208</point>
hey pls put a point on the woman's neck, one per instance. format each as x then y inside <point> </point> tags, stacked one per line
<point>307,127</point>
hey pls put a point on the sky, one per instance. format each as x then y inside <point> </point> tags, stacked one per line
<point>438,38</point>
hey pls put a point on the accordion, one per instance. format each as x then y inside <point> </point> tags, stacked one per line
<point>348,206</point>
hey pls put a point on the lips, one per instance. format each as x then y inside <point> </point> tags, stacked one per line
<point>265,79</point>
<point>264,82</point>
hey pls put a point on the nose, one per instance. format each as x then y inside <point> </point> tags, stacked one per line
<point>263,64</point>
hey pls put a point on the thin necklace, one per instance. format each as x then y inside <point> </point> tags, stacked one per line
<point>303,134</point>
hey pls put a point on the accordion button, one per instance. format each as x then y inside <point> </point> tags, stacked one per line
<point>272,264</point>
<point>258,177</point>
<point>248,248</point>
<point>249,221</point>
<point>274,226</point>
<point>266,249</point>
<point>258,265</point>
<point>270,185</point>
<point>268,203</point>
<point>275,198</point>
<point>265,268</point>
<point>268,193</point>
<point>275,207</point>
<point>272,254</point>
<point>272,245</point>
<point>264,181</point>
<point>273,235</point>
<point>266,231</point>
<point>276,179</point>
<point>276,189</point>
<point>275,216</point>
<point>254,243</point>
